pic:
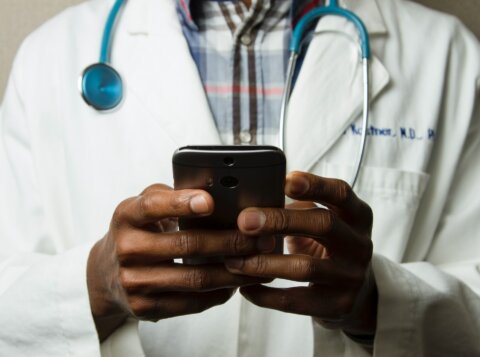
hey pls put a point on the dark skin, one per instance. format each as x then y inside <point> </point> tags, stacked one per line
<point>131,270</point>
<point>330,248</point>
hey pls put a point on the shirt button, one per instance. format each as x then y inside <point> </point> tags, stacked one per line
<point>246,39</point>
<point>245,137</point>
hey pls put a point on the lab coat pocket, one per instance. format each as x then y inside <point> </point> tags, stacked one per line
<point>394,196</point>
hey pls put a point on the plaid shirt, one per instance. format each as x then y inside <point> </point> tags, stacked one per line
<point>241,55</point>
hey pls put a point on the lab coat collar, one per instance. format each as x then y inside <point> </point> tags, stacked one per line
<point>161,77</point>
<point>370,14</point>
<point>136,17</point>
<point>177,101</point>
<point>332,69</point>
<point>139,18</point>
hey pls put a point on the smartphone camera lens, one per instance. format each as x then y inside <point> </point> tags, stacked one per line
<point>229,182</point>
<point>229,161</point>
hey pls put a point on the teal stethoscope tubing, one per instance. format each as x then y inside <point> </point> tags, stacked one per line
<point>295,46</point>
<point>100,84</point>
<point>107,33</point>
<point>102,87</point>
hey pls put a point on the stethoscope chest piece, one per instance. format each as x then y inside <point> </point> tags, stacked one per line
<point>101,86</point>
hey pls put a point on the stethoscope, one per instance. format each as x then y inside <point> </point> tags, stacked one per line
<point>102,87</point>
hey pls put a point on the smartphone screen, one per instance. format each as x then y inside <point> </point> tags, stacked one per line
<point>237,177</point>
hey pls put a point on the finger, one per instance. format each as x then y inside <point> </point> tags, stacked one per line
<point>332,193</point>
<point>178,277</point>
<point>166,224</point>
<point>154,308</point>
<point>150,248</point>
<point>156,187</point>
<point>300,205</point>
<point>320,224</point>
<point>295,267</point>
<point>328,304</point>
<point>305,245</point>
<point>156,205</point>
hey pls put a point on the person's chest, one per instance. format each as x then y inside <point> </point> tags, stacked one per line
<point>89,162</point>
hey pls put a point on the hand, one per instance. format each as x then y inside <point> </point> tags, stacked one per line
<point>131,271</point>
<point>330,248</point>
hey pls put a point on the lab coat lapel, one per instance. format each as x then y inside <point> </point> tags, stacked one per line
<point>162,77</point>
<point>328,94</point>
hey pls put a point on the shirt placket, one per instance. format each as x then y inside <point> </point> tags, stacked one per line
<point>246,94</point>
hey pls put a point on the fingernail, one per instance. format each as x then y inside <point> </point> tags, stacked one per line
<point>199,204</point>
<point>234,263</point>
<point>265,244</point>
<point>253,220</point>
<point>298,185</point>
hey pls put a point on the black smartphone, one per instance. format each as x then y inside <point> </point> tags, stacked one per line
<point>237,177</point>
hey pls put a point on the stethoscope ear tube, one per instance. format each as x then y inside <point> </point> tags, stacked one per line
<point>332,9</point>
<point>365,120</point>
<point>366,112</point>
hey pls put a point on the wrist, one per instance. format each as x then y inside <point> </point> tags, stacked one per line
<point>106,312</point>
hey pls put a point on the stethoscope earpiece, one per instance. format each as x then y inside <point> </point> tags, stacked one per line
<point>101,86</point>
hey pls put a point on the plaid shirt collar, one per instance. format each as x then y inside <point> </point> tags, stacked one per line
<point>191,9</point>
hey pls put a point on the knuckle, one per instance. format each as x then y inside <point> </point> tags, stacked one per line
<point>343,192</point>
<point>368,215</point>
<point>197,279</point>
<point>177,202</point>
<point>286,302</point>
<point>147,204</point>
<point>326,222</point>
<point>140,308</point>
<point>280,220</point>
<point>363,255</point>
<point>304,269</point>
<point>367,257</point>
<point>259,264</point>
<point>239,243</point>
<point>354,280</point>
<point>187,244</point>
<point>121,213</point>
<point>156,187</point>
<point>127,281</point>
<point>345,305</point>
<point>123,250</point>
<point>158,309</point>
<point>181,243</point>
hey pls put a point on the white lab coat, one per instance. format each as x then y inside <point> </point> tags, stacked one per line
<point>65,167</point>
